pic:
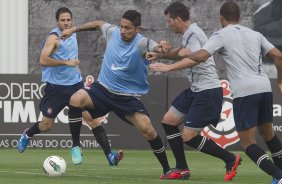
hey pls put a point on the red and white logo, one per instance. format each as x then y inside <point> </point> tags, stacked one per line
<point>224,134</point>
<point>89,80</point>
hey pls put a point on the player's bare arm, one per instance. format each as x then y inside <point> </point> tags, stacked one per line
<point>276,55</point>
<point>94,25</point>
<point>199,56</point>
<point>191,59</point>
<point>50,47</point>
<point>161,67</point>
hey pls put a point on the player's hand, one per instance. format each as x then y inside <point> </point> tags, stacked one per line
<point>152,56</point>
<point>159,67</point>
<point>72,62</point>
<point>164,46</point>
<point>66,33</point>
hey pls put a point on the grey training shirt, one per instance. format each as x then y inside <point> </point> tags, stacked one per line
<point>242,50</point>
<point>204,75</point>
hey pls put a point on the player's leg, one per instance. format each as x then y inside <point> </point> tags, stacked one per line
<point>78,101</point>
<point>248,114</point>
<point>266,130</point>
<point>44,125</point>
<point>174,117</point>
<point>257,154</point>
<point>273,143</point>
<point>102,139</point>
<point>50,106</point>
<point>142,122</point>
<point>170,123</point>
<point>193,138</point>
<point>205,110</point>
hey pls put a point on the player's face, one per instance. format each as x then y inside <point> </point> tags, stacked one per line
<point>65,21</point>
<point>172,23</point>
<point>127,30</point>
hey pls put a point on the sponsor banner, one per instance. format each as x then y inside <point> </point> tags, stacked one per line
<point>19,109</point>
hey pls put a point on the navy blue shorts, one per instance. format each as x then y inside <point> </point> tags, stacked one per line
<point>253,110</point>
<point>105,101</point>
<point>56,98</point>
<point>201,108</point>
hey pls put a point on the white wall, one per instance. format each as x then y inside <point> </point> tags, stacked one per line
<point>14,36</point>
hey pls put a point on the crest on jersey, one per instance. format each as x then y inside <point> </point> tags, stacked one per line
<point>88,81</point>
<point>49,111</point>
<point>224,134</point>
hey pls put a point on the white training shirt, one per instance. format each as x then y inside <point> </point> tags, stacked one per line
<point>242,50</point>
<point>204,75</point>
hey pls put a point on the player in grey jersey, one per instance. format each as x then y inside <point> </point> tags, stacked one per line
<point>242,50</point>
<point>198,106</point>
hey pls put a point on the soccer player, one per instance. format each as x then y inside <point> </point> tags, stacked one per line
<point>122,79</point>
<point>242,50</point>
<point>198,106</point>
<point>61,73</point>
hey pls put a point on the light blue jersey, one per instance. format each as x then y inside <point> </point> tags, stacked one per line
<point>63,75</point>
<point>124,67</point>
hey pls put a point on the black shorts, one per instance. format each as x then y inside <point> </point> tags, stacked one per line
<point>56,98</point>
<point>201,108</point>
<point>105,101</point>
<point>253,110</point>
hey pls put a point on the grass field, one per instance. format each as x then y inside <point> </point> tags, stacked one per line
<point>137,167</point>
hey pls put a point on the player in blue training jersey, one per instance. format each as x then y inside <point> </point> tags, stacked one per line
<point>59,60</point>
<point>198,106</point>
<point>122,79</point>
<point>242,50</point>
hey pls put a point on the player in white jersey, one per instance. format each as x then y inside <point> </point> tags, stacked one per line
<point>198,106</point>
<point>242,50</point>
<point>122,78</point>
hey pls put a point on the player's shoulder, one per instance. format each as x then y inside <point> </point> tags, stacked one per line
<point>52,38</point>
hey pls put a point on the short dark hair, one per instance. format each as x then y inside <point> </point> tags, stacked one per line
<point>62,10</point>
<point>133,16</point>
<point>230,11</point>
<point>178,9</point>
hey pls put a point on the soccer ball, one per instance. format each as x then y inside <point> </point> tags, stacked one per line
<point>54,166</point>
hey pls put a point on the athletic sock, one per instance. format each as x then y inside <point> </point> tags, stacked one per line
<point>275,147</point>
<point>208,146</point>
<point>33,130</point>
<point>75,122</point>
<point>260,157</point>
<point>159,151</point>
<point>102,139</point>
<point>173,136</point>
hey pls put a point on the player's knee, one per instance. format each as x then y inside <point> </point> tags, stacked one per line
<point>170,120</point>
<point>75,100</point>
<point>166,119</point>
